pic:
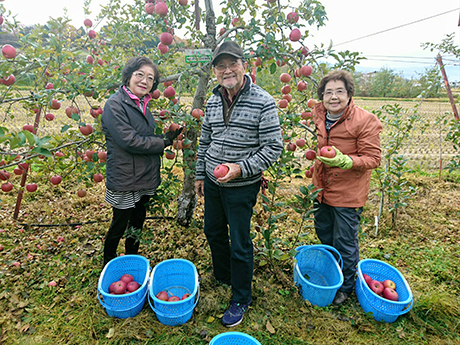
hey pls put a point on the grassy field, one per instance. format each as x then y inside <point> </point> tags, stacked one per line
<point>424,247</point>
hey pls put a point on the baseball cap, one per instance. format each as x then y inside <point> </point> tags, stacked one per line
<point>227,48</point>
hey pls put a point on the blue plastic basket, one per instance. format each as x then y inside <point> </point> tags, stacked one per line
<point>177,277</point>
<point>317,273</point>
<point>381,308</point>
<point>234,338</point>
<point>119,305</point>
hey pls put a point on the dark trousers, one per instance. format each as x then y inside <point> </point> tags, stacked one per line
<point>227,224</point>
<point>338,227</point>
<point>121,220</point>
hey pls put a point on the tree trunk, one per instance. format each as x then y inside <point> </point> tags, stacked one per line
<point>186,202</point>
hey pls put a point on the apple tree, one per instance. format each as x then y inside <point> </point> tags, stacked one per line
<point>58,63</point>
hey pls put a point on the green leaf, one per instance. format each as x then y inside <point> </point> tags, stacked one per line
<point>64,128</point>
<point>42,151</point>
<point>273,68</point>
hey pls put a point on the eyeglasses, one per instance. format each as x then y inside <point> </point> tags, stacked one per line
<point>140,75</point>
<point>338,93</point>
<point>233,66</point>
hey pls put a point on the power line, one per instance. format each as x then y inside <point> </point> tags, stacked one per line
<point>397,27</point>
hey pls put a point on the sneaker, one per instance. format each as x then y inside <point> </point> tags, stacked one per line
<point>234,314</point>
<point>340,297</point>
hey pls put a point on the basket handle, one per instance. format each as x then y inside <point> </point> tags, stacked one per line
<point>180,315</point>
<point>404,311</point>
<point>323,247</point>
<point>110,307</point>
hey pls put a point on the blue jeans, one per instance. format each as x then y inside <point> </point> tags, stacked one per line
<point>227,224</point>
<point>338,227</point>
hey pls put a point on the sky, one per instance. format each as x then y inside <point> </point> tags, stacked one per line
<point>388,33</point>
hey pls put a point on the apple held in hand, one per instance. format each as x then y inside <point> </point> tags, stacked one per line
<point>221,170</point>
<point>390,294</point>
<point>376,287</point>
<point>327,151</point>
<point>389,284</point>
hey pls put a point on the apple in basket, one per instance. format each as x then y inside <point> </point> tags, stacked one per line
<point>187,295</point>
<point>162,295</point>
<point>127,278</point>
<point>120,287</point>
<point>173,299</point>
<point>368,279</point>
<point>376,287</point>
<point>132,286</point>
<point>390,294</point>
<point>389,284</point>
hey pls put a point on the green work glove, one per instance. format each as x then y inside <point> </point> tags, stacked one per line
<point>340,160</point>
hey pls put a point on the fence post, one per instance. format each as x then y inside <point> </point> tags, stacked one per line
<point>446,82</point>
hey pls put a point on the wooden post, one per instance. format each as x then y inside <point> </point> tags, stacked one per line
<point>446,82</point>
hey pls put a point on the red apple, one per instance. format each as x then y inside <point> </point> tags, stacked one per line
<point>285,77</point>
<point>132,286</point>
<point>89,59</point>
<point>52,284</point>
<point>390,294</point>
<point>4,175</point>
<point>291,147</point>
<point>236,21</point>
<point>59,239</point>
<point>286,89</point>
<point>376,287</point>
<point>92,34</point>
<point>368,279</point>
<point>173,299</point>
<point>112,287</point>
<point>156,94</point>
<point>49,117</point>
<point>170,155</point>
<point>166,38</point>
<point>169,92</point>
<point>55,104</point>
<point>327,151</point>
<point>308,173</point>
<point>187,295</point>
<point>120,287</point>
<point>389,284</point>
<point>162,295</point>
<point>127,278</point>
<point>197,113</point>
<point>287,97</point>
<point>310,155</point>
<point>283,103</point>
<point>300,142</point>
<point>183,2</point>
<point>58,154</point>
<point>98,177</point>
<point>29,128</point>
<point>8,81</point>
<point>102,155</point>
<point>7,187</point>
<point>292,17</point>
<point>295,35</point>
<point>18,171</point>
<point>56,180</point>
<point>163,114</point>
<point>149,8</point>
<point>306,115</point>
<point>31,187</point>
<point>88,23</point>
<point>9,51</point>
<point>221,170</point>
<point>81,193</point>
<point>306,70</point>
<point>301,86</point>
<point>87,130</point>
<point>162,48</point>
<point>161,9</point>
<point>49,86</point>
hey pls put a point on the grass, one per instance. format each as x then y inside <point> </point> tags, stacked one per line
<point>424,247</point>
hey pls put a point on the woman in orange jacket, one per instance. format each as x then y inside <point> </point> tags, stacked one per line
<point>344,179</point>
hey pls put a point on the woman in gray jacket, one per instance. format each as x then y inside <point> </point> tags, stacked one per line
<point>133,153</point>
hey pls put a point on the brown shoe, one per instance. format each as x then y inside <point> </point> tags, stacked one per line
<point>340,297</point>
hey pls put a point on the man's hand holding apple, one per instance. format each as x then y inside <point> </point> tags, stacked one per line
<point>234,171</point>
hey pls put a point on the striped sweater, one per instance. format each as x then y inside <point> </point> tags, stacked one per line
<point>252,138</point>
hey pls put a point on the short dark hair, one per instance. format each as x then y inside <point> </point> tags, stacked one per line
<point>134,64</point>
<point>337,74</point>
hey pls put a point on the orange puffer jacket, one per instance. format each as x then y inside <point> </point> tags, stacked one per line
<point>355,134</point>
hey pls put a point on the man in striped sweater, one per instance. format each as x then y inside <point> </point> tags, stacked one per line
<point>241,130</point>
